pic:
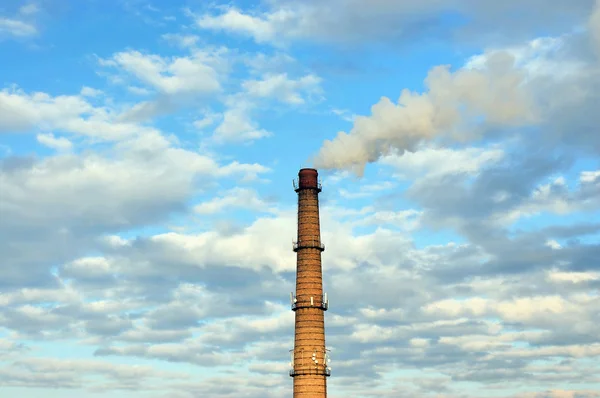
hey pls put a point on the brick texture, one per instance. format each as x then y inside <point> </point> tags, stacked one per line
<point>309,342</point>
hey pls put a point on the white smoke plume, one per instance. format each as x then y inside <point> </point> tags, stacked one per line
<point>493,92</point>
<point>497,89</point>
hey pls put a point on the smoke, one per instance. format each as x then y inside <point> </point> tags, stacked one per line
<point>493,92</point>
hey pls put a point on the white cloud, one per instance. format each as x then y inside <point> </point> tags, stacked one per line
<point>57,186</point>
<point>553,244</point>
<point>262,63</point>
<point>184,41</point>
<point>236,198</point>
<point>58,143</point>
<point>280,87</point>
<point>66,202</point>
<point>171,76</point>
<point>89,267</point>
<point>431,162</point>
<point>22,112</point>
<point>90,92</point>
<point>531,311</point>
<point>36,296</point>
<point>209,119</point>
<point>234,20</point>
<point>209,247</point>
<point>237,124</point>
<point>90,262</point>
<point>573,277</point>
<point>29,9</point>
<point>176,81</point>
<point>344,114</point>
<point>138,90</point>
<point>408,220</point>
<point>555,197</point>
<point>589,176</point>
<point>388,21</point>
<point>366,190</point>
<point>95,375</point>
<point>17,28</point>
<point>540,57</point>
<point>20,25</point>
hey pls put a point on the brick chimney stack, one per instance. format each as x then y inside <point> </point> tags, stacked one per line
<point>309,356</point>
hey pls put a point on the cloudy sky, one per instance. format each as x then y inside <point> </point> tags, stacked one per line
<point>147,214</point>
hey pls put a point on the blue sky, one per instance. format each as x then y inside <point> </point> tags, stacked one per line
<point>147,153</point>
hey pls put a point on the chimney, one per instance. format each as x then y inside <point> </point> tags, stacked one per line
<point>309,356</point>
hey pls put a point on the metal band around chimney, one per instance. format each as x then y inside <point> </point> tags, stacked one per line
<point>309,359</point>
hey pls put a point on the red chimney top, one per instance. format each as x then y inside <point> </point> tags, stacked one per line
<point>308,178</point>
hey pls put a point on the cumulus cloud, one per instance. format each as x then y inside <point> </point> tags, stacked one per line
<point>176,82</point>
<point>208,119</point>
<point>388,21</point>
<point>62,202</point>
<point>238,126</point>
<point>23,112</point>
<point>159,294</point>
<point>235,198</point>
<point>426,161</point>
<point>178,75</point>
<point>236,122</point>
<point>90,92</point>
<point>88,375</point>
<point>233,19</point>
<point>282,88</point>
<point>58,143</point>
<point>474,264</point>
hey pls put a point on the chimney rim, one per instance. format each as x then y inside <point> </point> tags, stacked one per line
<point>308,169</point>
